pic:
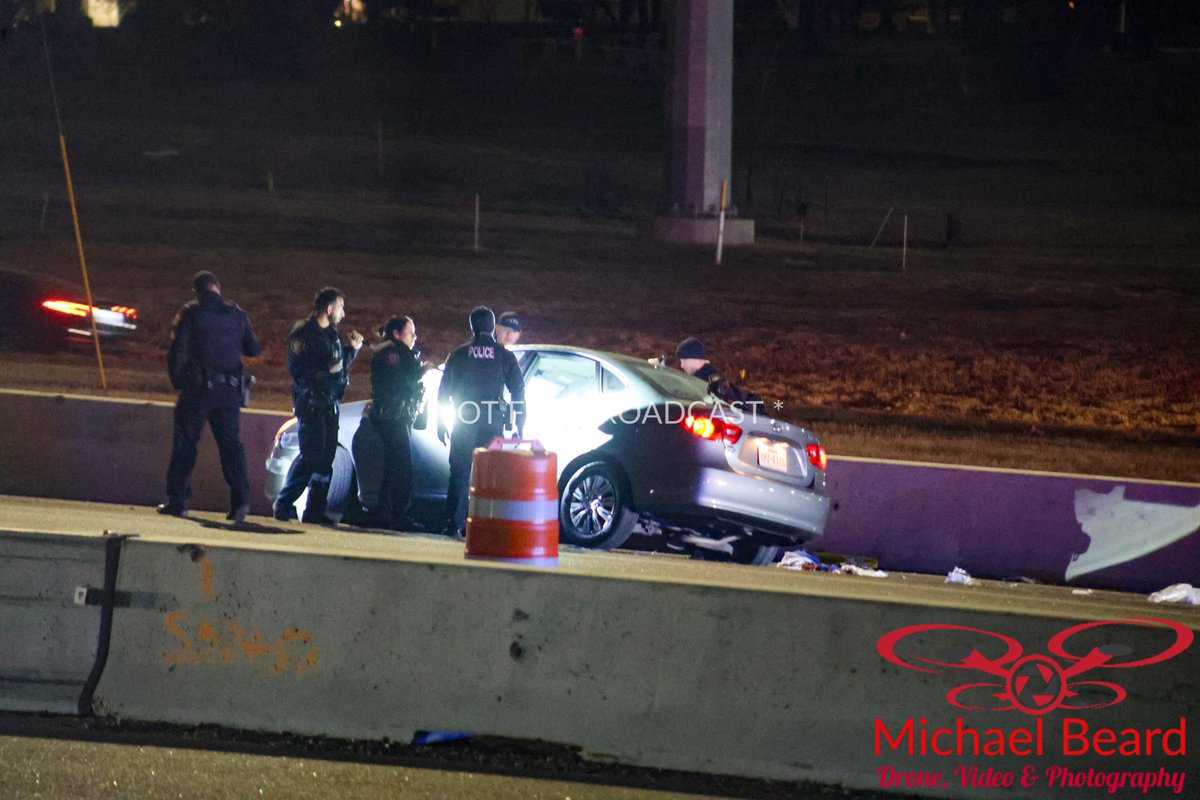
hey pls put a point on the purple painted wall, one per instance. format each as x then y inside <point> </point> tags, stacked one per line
<point>1095,532</point>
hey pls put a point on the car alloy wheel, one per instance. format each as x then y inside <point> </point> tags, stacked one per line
<point>594,510</point>
<point>592,505</point>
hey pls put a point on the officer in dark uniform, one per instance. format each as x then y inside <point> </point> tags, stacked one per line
<point>319,366</point>
<point>209,337</point>
<point>396,397</point>
<point>471,393</point>
<point>692,360</point>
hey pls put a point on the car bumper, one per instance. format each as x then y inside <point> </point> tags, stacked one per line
<point>746,499</point>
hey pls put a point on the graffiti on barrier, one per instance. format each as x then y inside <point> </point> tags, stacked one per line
<point>225,642</point>
<point>208,642</point>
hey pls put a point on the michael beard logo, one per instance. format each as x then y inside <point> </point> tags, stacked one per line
<point>1035,684</point>
<point>1006,678</point>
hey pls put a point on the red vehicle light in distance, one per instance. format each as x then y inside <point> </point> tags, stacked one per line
<point>66,307</point>
<point>816,455</point>
<point>709,428</point>
<point>116,317</point>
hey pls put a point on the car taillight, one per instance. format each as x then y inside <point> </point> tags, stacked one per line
<point>816,455</point>
<point>66,307</point>
<point>709,428</point>
<point>287,436</point>
<point>74,309</point>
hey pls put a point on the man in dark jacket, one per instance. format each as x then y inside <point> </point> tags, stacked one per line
<point>319,365</point>
<point>208,339</point>
<point>471,398</point>
<point>396,395</point>
<point>693,361</point>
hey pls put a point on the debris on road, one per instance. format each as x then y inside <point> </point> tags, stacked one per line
<point>805,561</point>
<point>865,572</point>
<point>1177,593</point>
<point>960,575</point>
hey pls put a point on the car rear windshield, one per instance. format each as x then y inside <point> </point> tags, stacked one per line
<point>671,382</point>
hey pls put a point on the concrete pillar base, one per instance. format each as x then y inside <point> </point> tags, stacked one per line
<point>701,230</point>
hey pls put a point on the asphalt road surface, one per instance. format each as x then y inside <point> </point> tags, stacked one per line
<point>56,768</point>
<point>48,758</point>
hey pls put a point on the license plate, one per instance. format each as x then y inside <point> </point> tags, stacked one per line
<point>773,456</point>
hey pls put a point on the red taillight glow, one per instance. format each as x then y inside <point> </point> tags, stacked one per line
<point>709,428</point>
<point>285,426</point>
<point>74,309</point>
<point>66,307</point>
<point>816,455</point>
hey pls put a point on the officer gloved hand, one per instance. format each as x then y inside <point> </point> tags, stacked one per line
<point>442,433</point>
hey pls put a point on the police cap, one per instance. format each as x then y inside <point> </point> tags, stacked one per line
<point>510,319</point>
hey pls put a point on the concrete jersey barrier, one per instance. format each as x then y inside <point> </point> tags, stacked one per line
<point>49,632</point>
<point>788,681</point>
<point>115,451</point>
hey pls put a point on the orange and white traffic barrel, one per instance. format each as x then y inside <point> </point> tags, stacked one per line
<point>512,509</point>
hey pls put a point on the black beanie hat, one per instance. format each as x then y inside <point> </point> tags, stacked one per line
<point>690,347</point>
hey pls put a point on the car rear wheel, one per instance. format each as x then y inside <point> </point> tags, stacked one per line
<point>748,551</point>
<point>594,510</point>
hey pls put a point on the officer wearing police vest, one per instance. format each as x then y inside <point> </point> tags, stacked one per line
<point>319,365</point>
<point>208,339</point>
<point>473,384</point>
<point>396,397</point>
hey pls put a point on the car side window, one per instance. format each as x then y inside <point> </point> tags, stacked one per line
<point>610,383</point>
<point>560,376</point>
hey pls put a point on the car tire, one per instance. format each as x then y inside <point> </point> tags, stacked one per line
<point>368,452</point>
<point>748,551</point>
<point>745,551</point>
<point>594,510</point>
<point>342,485</point>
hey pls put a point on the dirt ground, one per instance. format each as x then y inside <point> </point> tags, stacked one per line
<point>1056,329</point>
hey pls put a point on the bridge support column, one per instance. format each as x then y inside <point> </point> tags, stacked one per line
<point>699,125</point>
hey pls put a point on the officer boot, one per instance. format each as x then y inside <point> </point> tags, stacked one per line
<point>314,510</point>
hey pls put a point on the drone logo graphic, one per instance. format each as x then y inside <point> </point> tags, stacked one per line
<point>1038,683</point>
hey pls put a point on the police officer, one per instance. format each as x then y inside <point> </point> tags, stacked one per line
<point>209,337</point>
<point>396,397</point>
<point>508,328</point>
<point>508,333</point>
<point>473,384</point>
<point>319,365</point>
<point>693,361</point>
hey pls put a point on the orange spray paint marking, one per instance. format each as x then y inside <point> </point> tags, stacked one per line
<point>184,654</point>
<point>205,576</point>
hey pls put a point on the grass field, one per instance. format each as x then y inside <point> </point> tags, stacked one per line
<point>1057,331</point>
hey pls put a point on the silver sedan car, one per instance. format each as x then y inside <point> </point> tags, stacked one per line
<point>640,447</point>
